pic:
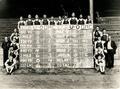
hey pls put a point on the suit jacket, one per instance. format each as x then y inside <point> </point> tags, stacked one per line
<point>113,45</point>
<point>5,45</point>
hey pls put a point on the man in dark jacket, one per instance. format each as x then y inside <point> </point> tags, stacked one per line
<point>111,50</point>
<point>5,46</point>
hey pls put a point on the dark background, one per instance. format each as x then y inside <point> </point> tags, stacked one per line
<point>16,8</point>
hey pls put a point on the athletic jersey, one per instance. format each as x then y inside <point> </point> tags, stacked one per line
<point>10,62</point>
<point>99,44</point>
<point>45,22</point>
<point>65,21</point>
<point>17,39</point>
<point>88,21</point>
<point>21,23</point>
<point>36,22</point>
<point>104,37</point>
<point>59,22</point>
<point>14,46</point>
<point>12,54</point>
<point>73,21</point>
<point>13,36</point>
<point>29,22</point>
<point>81,22</point>
<point>99,60</point>
<point>97,34</point>
<point>52,22</point>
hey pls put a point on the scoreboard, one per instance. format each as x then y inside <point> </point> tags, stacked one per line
<point>55,46</point>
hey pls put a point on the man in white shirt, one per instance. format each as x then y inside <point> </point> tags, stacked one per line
<point>111,50</point>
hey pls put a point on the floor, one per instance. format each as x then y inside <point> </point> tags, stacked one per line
<point>89,80</point>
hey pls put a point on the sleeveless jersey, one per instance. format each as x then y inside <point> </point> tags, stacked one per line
<point>52,22</point>
<point>10,62</point>
<point>65,21</point>
<point>81,22</point>
<point>99,44</point>
<point>104,38</point>
<point>36,22</point>
<point>45,22</point>
<point>88,21</point>
<point>29,22</point>
<point>73,21</point>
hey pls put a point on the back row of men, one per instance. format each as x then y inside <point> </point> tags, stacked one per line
<point>52,21</point>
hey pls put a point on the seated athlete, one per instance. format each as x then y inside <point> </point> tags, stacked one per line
<point>15,45</point>
<point>88,21</point>
<point>81,20</point>
<point>97,33</point>
<point>14,34</point>
<point>10,64</point>
<point>45,21</point>
<point>99,50</point>
<point>15,55</point>
<point>59,21</point>
<point>52,21</point>
<point>98,43</point>
<point>21,22</point>
<point>29,20</point>
<point>65,20</point>
<point>100,62</point>
<point>73,19</point>
<point>11,52</point>
<point>36,21</point>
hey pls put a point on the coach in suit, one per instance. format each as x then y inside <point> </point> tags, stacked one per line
<point>111,50</point>
<point>5,46</point>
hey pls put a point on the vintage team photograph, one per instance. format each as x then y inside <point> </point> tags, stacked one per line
<point>59,44</point>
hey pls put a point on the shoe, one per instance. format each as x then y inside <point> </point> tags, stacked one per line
<point>103,73</point>
<point>7,73</point>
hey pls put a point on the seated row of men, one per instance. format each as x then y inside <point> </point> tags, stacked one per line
<point>104,50</point>
<point>45,21</point>
<point>11,52</point>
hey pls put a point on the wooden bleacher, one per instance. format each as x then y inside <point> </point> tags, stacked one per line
<point>112,25</point>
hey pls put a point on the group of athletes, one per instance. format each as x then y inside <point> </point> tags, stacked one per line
<point>104,47</point>
<point>104,50</point>
<point>73,20</point>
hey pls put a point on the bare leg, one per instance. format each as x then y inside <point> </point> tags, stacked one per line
<point>100,68</point>
<point>7,69</point>
<point>11,69</point>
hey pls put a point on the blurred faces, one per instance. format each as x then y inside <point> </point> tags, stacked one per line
<point>59,18</point>
<point>99,57</point>
<point>10,58</point>
<point>14,40</point>
<point>29,16</point>
<point>36,16</point>
<point>73,14</point>
<point>6,39</point>
<point>109,38</point>
<point>99,38</point>
<point>104,31</point>
<point>15,30</point>
<point>44,16</point>
<point>21,18</point>
<point>88,17</point>
<point>65,17</point>
<point>52,18</point>
<point>81,16</point>
<point>97,28</point>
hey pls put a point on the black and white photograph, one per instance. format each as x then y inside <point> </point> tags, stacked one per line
<point>59,44</point>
